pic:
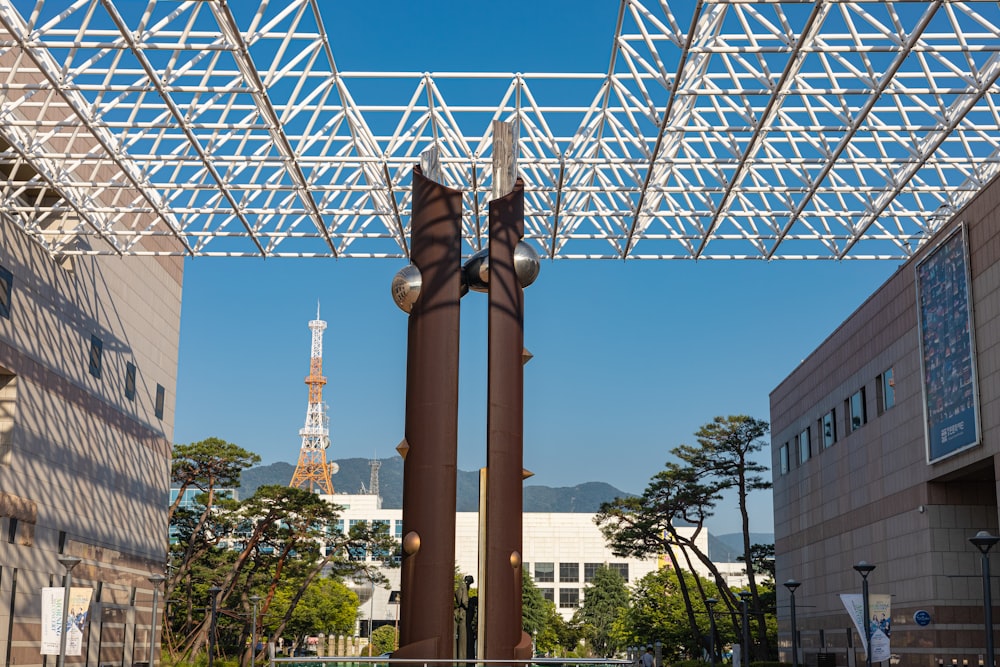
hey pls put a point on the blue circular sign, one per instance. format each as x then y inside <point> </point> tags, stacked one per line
<point>921,618</point>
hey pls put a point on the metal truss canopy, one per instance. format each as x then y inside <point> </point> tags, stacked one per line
<point>720,129</point>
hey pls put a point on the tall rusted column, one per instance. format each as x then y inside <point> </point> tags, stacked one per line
<point>501,609</point>
<point>430,447</point>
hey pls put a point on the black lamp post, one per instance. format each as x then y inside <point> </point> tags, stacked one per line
<point>791,585</point>
<point>254,600</point>
<point>984,541</point>
<point>156,580</point>
<point>744,600</point>
<point>214,593</point>
<point>68,563</point>
<point>710,602</point>
<point>864,569</point>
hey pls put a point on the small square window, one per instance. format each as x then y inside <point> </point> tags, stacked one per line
<point>569,572</point>
<point>160,399</point>
<point>6,288</point>
<point>96,349</point>
<point>545,572</point>
<point>130,380</point>
<point>856,410</point>
<point>887,391</point>
<point>548,594</point>
<point>589,570</point>
<point>804,446</point>
<point>829,428</point>
<point>569,597</point>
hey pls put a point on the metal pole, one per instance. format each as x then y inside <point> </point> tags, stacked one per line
<point>156,580</point>
<point>711,625</point>
<point>791,585</point>
<point>864,569</point>
<point>745,658</point>
<point>984,541</point>
<point>255,600</point>
<point>214,592</point>
<point>68,562</point>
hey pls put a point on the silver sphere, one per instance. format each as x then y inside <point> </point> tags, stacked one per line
<point>477,271</point>
<point>526,263</point>
<point>406,287</point>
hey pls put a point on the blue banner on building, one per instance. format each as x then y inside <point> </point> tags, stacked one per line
<point>947,349</point>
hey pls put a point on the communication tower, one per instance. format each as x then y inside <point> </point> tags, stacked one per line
<point>312,471</point>
<point>374,464</point>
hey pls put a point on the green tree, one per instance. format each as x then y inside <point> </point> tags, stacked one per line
<point>383,640</point>
<point>326,606</point>
<point>533,606</point>
<point>727,447</point>
<point>604,601</point>
<point>657,612</point>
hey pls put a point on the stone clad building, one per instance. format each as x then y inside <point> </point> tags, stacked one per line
<point>884,449</point>
<point>88,366</point>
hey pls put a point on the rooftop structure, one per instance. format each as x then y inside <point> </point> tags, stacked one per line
<point>720,129</point>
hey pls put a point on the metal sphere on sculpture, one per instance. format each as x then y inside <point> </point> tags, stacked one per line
<point>406,287</point>
<point>526,263</point>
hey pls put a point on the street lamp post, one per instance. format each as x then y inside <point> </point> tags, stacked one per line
<point>864,569</point>
<point>214,593</point>
<point>745,600</point>
<point>156,580</point>
<point>68,563</point>
<point>791,585</point>
<point>710,602</point>
<point>254,600</point>
<point>984,541</point>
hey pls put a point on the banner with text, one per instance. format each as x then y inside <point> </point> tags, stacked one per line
<point>76,619</point>
<point>878,622</point>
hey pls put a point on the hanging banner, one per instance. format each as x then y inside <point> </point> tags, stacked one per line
<point>76,619</point>
<point>878,623</point>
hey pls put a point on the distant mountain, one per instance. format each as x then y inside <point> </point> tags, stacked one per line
<point>354,476</point>
<point>728,548</point>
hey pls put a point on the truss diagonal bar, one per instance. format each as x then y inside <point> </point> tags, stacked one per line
<point>716,129</point>
<point>259,93</point>
<point>154,78</point>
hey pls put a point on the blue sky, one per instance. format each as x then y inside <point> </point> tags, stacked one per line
<point>630,357</point>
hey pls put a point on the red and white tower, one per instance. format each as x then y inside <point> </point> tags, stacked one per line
<point>312,468</point>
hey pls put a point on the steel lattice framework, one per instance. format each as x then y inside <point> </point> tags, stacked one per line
<point>763,130</point>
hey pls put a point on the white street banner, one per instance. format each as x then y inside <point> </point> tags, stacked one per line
<point>76,619</point>
<point>879,623</point>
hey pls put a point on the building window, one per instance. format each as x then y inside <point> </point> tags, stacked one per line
<point>886,391</point>
<point>803,440</point>
<point>569,572</point>
<point>160,397</point>
<point>828,426</point>
<point>589,570</point>
<point>545,572</point>
<point>130,380</point>
<point>399,529</point>
<point>548,594</point>
<point>6,287</point>
<point>96,348</point>
<point>339,526</point>
<point>856,410</point>
<point>569,597</point>
<point>620,568</point>
<point>8,413</point>
<point>783,458</point>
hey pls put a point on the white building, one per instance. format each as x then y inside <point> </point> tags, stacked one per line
<point>561,551</point>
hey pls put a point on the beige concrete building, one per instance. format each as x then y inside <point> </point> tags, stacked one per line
<point>88,365</point>
<point>884,449</point>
